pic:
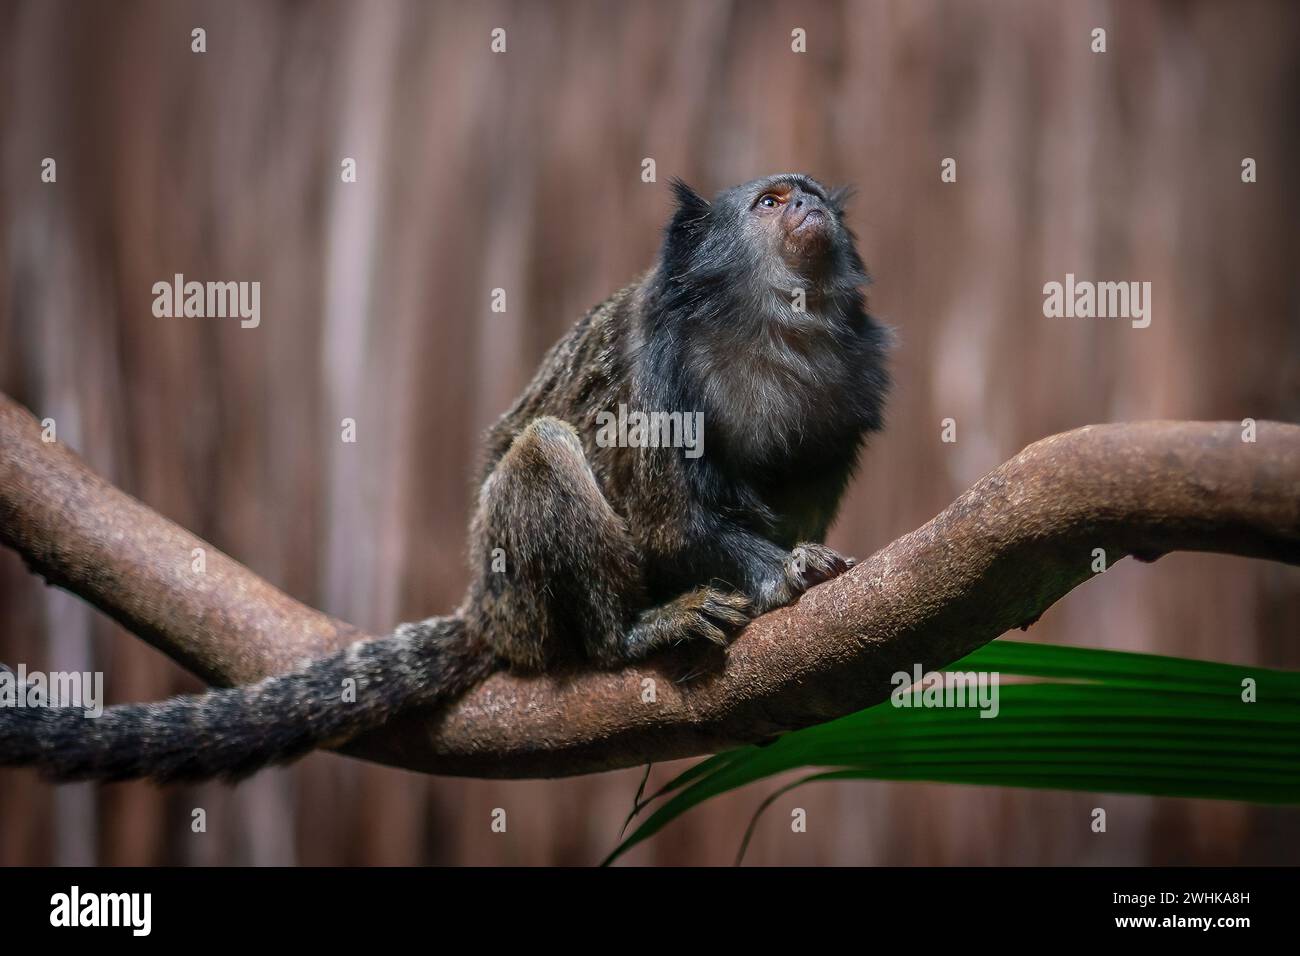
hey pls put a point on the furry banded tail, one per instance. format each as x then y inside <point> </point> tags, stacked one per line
<point>232,732</point>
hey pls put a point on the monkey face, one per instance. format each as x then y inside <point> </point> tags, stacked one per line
<point>761,238</point>
<point>795,221</point>
<point>790,227</point>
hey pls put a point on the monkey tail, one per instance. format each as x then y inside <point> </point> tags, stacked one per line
<point>232,732</point>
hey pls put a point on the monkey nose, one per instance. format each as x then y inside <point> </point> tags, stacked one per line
<point>806,212</point>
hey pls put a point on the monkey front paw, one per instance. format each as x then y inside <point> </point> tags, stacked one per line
<point>809,564</point>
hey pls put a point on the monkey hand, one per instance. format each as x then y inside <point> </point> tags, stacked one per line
<point>809,564</point>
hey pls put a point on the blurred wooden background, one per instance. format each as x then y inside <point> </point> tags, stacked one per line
<point>522,171</point>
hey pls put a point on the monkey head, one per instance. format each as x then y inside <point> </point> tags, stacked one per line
<point>768,236</point>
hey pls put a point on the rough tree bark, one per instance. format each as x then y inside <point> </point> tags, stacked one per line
<point>995,559</point>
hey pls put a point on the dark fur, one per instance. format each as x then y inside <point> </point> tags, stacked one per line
<point>611,553</point>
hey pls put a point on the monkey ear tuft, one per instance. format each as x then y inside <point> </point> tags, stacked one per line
<point>690,204</point>
<point>839,196</point>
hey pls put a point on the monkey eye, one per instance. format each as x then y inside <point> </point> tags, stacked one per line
<point>769,200</point>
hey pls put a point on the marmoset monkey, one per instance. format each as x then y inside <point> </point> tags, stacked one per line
<point>754,317</point>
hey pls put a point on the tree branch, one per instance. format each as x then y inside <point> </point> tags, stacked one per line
<point>993,560</point>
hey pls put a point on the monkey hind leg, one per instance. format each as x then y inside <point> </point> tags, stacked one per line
<point>557,572</point>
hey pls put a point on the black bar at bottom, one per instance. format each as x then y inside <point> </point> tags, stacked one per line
<point>434,907</point>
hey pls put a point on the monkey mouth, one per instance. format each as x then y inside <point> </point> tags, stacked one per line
<point>807,238</point>
<point>812,219</point>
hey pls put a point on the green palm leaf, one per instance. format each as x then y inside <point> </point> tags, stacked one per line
<point>1095,720</point>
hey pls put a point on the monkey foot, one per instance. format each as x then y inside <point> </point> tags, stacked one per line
<point>705,613</point>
